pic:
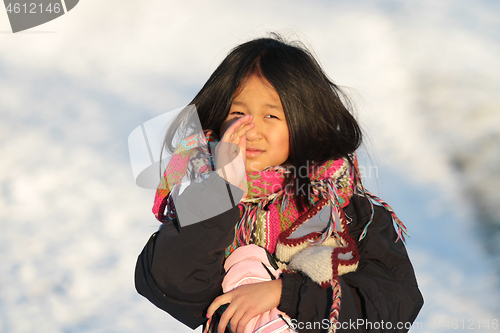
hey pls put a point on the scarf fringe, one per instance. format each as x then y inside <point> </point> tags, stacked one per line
<point>248,220</point>
<point>329,191</point>
<point>335,309</point>
<point>402,231</point>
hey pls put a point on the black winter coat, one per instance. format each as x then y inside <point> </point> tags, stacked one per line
<point>180,270</point>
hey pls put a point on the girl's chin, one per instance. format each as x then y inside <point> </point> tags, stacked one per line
<point>254,166</point>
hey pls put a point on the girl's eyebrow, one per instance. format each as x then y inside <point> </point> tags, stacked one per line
<point>268,105</point>
<point>274,106</point>
<point>238,103</point>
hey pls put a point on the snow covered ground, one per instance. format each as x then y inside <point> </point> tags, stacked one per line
<point>424,75</point>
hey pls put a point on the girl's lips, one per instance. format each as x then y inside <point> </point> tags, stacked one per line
<point>253,152</point>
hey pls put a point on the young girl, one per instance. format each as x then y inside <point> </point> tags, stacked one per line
<point>285,149</point>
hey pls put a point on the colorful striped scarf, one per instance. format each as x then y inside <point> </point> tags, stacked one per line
<point>334,180</point>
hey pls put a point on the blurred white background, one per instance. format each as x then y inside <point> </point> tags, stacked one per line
<point>425,77</point>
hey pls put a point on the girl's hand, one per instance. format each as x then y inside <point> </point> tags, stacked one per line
<point>246,302</point>
<point>231,164</point>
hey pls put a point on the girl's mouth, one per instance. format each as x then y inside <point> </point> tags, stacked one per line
<point>253,152</point>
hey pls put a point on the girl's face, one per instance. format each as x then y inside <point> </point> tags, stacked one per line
<point>267,143</point>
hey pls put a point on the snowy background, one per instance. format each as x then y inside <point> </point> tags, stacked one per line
<point>425,76</point>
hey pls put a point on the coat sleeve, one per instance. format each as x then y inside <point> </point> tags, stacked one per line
<point>382,295</point>
<point>180,270</point>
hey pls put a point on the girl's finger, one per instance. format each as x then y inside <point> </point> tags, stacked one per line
<point>235,319</point>
<point>232,144</point>
<point>242,323</point>
<point>229,128</point>
<point>229,143</point>
<point>218,301</point>
<point>225,318</point>
<point>241,131</point>
<point>241,122</point>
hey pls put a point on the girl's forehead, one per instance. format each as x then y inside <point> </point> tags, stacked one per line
<point>256,86</point>
<point>254,81</point>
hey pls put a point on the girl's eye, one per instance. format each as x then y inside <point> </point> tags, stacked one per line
<point>271,116</point>
<point>237,113</point>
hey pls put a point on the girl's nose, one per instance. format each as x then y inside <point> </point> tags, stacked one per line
<point>255,132</point>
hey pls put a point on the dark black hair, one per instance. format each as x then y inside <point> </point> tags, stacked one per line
<point>318,113</point>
